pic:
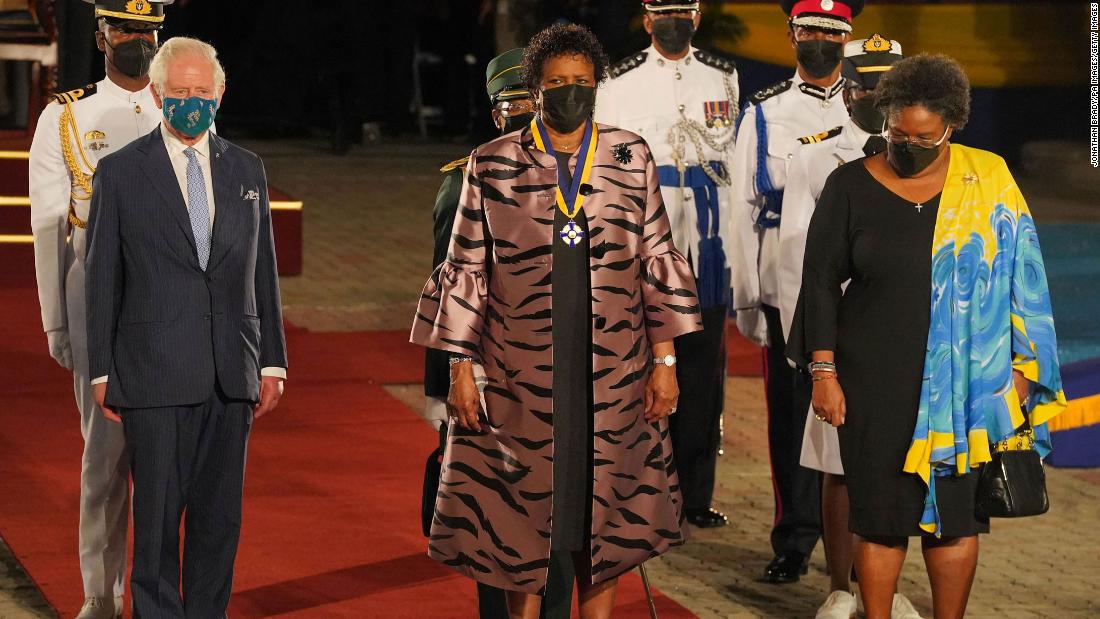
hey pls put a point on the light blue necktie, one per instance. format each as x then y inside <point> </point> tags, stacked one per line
<point>198,207</point>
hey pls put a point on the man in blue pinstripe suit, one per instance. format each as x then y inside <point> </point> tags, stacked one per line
<point>185,331</point>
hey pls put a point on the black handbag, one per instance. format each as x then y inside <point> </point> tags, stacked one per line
<point>432,470</point>
<point>1013,484</point>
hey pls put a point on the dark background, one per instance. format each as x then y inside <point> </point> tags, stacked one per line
<point>333,68</point>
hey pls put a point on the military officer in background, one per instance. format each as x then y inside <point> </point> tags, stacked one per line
<point>865,61</point>
<point>771,123</point>
<point>513,109</point>
<point>74,132</point>
<point>683,101</point>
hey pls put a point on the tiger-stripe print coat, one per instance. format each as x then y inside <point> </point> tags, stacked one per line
<point>491,299</point>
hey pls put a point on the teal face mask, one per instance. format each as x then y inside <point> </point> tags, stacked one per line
<point>190,116</point>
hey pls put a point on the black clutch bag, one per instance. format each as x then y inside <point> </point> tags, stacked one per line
<point>1013,484</point>
<point>432,471</point>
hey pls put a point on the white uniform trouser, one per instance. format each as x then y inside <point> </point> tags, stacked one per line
<point>105,467</point>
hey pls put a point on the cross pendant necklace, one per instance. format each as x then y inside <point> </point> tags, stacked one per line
<point>918,207</point>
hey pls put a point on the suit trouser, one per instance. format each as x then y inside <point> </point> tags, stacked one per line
<point>697,425</point>
<point>797,489</point>
<point>104,466</point>
<point>186,458</point>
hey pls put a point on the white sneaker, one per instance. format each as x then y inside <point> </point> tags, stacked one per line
<point>839,605</point>
<point>902,608</point>
<point>101,608</point>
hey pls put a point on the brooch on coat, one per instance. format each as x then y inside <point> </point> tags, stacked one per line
<point>252,194</point>
<point>622,153</point>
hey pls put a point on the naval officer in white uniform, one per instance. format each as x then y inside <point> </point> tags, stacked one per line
<point>683,102</point>
<point>74,132</point>
<point>770,125</point>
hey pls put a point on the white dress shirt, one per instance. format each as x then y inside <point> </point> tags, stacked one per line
<point>179,165</point>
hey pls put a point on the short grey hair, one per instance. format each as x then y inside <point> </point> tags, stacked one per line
<point>178,47</point>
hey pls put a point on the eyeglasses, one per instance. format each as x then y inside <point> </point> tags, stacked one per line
<point>901,138</point>
<point>515,108</point>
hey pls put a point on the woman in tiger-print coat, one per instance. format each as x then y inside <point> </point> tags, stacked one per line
<point>491,299</point>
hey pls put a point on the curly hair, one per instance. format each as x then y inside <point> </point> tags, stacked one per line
<point>561,40</point>
<point>932,81</point>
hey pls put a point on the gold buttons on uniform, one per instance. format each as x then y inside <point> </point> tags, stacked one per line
<point>137,109</point>
<point>681,107</point>
<point>678,76</point>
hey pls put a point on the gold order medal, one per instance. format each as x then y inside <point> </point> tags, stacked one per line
<point>569,197</point>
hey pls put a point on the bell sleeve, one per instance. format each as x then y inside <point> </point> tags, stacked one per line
<point>1034,344</point>
<point>451,313</point>
<point>825,267</point>
<point>671,305</point>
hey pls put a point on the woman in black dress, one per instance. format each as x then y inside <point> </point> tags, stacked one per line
<point>874,225</point>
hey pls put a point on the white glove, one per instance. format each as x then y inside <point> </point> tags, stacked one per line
<point>751,324</point>
<point>60,349</point>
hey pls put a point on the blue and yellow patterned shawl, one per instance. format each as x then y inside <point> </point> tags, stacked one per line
<point>990,314</point>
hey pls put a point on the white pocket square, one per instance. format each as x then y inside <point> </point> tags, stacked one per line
<point>252,194</point>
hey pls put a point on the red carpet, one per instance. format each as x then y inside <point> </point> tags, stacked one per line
<point>332,492</point>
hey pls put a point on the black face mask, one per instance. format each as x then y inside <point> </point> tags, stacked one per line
<point>515,123</point>
<point>564,108</point>
<point>673,34</point>
<point>819,58</point>
<point>874,145</point>
<point>909,159</point>
<point>865,116</point>
<point>133,57</point>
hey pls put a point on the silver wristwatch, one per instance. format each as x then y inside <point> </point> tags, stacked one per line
<point>667,360</point>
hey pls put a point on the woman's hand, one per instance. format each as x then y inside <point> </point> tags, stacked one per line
<point>828,402</point>
<point>464,400</point>
<point>1022,385</point>
<point>661,393</point>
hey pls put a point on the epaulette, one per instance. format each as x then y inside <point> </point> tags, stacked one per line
<point>626,64</point>
<point>726,65</point>
<point>457,163</point>
<point>767,93</point>
<point>821,137</point>
<point>74,95</point>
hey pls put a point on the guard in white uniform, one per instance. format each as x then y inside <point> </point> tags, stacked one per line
<point>74,132</point>
<point>683,102</point>
<point>864,62</point>
<point>771,123</point>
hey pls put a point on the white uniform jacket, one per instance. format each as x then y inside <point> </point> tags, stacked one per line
<point>789,110</point>
<point>811,165</point>
<point>74,132</point>
<point>658,99</point>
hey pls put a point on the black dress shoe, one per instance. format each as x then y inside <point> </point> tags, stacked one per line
<point>786,568</point>
<point>706,518</point>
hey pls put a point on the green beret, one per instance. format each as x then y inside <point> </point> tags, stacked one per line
<point>504,77</point>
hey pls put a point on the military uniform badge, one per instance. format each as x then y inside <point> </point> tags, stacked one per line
<point>717,114</point>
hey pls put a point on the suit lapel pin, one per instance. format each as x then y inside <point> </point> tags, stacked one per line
<point>252,195</point>
<point>622,153</point>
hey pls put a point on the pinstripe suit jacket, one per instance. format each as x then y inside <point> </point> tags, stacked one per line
<point>161,327</point>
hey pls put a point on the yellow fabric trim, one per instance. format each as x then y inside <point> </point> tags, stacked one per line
<point>454,164</point>
<point>16,239</point>
<point>511,93</point>
<point>979,447</point>
<point>1079,413</point>
<point>1048,412</point>
<point>874,69</point>
<point>995,59</point>
<point>14,154</point>
<point>535,133</point>
<point>129,16</point>
<point>490,80</point>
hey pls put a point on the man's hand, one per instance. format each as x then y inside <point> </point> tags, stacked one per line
<point>661,393</point>
<point>271,389</point>
<point>60,349</point>
<point>751,324</point>
<point>100,393</point>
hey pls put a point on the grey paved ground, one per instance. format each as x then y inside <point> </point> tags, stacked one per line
<point>368,249</point>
